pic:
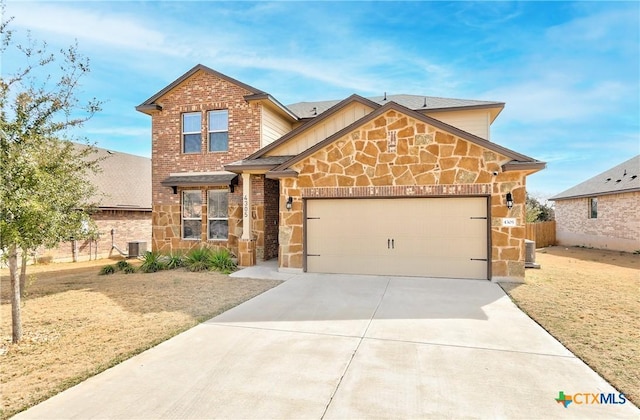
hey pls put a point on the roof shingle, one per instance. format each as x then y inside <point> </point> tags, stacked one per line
<point>621,178</point>
<point>124,182</point>
<point>414,102</point>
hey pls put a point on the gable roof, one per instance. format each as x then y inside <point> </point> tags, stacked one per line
<point>151,105</point>
<point>325,115</point>
<point>624,177</point>
<point>414,102</point>
<point>520,161</point>
<point>124,182</point>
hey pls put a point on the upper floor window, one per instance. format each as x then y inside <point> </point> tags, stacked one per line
<point>219,130</point>
<point>593,208</point>
<point>191,214</point>
<point>191,133</point>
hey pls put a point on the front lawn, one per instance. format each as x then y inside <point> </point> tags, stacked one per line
<point>589,299</point>
<point>77,323</point>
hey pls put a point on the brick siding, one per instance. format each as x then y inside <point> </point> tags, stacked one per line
<point>616,227</point>
<point>201,92</point>
<point>129,226</point>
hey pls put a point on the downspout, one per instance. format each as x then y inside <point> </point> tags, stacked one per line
<point>114,246</point>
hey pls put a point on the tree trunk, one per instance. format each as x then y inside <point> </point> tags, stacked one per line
<point>23,273</point>
<point>15,294</point>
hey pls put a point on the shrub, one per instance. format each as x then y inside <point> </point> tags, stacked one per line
<point>198,259</point>
<point>152,262</point>
<point>222,261</point>
<point>129,269</point>
<point>107,269</point>
<point>122,265</point>
<point>175,261</point>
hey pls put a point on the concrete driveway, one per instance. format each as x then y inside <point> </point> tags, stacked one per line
<point>338,346</point>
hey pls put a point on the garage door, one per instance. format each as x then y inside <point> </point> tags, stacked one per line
<point>431,237</point>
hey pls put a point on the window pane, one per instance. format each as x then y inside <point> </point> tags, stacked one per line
<point>192,143</point>
<point>218,141</point>
<point>191,122</point>
<point>594,208</point>
<point>218,229</point>
<point>191,204</point>
<point>218,204</point>
<point>219,120</point>
<point>191,229</point>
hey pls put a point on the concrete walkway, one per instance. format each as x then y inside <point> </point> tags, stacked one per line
<point>349,347</point>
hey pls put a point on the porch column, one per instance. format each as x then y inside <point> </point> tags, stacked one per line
<point>246,245</point>
<point>246,206</point>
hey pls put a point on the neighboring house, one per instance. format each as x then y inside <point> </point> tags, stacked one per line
<point>602,212</point>
<point>398,184</point>
<point>124,209</point>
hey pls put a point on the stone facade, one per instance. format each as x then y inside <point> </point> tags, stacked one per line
<point>201,92</point>
<point>167,221</point>
<point>128,226</point>
<point>398,156</point>
<point>617,226</point>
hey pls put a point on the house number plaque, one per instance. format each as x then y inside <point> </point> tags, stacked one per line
<point>509,221</point>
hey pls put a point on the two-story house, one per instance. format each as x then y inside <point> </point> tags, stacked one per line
<point>399,184</point>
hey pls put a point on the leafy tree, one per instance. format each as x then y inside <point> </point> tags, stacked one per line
<point>44,194</point>
<point>538,212</point>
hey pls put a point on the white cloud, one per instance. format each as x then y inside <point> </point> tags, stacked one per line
<point>142,132</point>
<point>548,100</point>
<point>115,30</point>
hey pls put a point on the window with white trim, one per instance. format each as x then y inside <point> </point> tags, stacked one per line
<point>219,130</point>
<point>191,132</point>
<point>191,214</point>
<point>218,215</point>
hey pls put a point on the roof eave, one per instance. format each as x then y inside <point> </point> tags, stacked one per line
<point>238,169</point>
<point>594,194</point>
<point>531,167</point>
<point>148,108</point>
<point>125,208</point>
<point>286,173</point>
<point>497,107</point>
<point>277,104</point>
<point>191,72</point>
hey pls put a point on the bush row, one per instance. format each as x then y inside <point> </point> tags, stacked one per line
<point>199,259</point>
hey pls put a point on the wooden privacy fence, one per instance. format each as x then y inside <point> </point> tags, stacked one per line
<point>542,233</point>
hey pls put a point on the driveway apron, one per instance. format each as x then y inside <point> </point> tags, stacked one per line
<point>338,346</point>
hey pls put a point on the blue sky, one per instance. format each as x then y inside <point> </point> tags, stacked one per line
<point>569,72</point>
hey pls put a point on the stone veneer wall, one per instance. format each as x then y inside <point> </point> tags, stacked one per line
<point>201,92</point>
<point>167,226</point>
<point>398,156</point>
<point>130,226</point>
<point>616,227</point>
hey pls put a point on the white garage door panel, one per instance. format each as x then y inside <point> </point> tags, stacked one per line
<point>437,237</point>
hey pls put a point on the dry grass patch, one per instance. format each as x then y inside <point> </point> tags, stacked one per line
<point>77,323</point>
<point>589,299</point>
